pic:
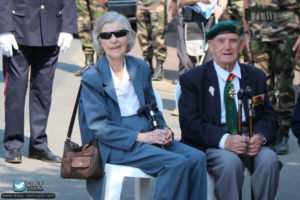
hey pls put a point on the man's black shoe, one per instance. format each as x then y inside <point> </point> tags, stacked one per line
<point>44,155</point>
<point>13,156</point>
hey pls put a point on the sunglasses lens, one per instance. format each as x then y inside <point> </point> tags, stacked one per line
<point>120,33</point>
<point>105,35</point>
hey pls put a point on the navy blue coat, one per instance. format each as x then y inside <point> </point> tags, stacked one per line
<point>38,22</point>
<point>296,120</point>
<point>200,112</point>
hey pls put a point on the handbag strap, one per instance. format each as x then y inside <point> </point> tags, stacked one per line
<point>73,114</point>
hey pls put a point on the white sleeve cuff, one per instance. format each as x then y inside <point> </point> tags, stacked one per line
<point>222,141</point>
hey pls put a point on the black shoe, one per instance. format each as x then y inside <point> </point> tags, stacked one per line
<point>44,155</point>
<point>282,147</point>
<point>89,61</point>
<point>13,156</point>
<point>158,72</point>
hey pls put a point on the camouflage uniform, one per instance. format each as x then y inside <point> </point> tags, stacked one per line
<point>234,11</point>
<point>151,27</point>
<point>274,28</point>
<point>87,12</point>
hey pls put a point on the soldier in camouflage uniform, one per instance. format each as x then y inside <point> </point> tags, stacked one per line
<point>151,27</point>
<point>87,12</point>
<point>274,26</point>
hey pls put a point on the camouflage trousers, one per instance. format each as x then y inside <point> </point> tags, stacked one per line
<point>87,12</point>
<point>151,28</point>
<point>276,59</point>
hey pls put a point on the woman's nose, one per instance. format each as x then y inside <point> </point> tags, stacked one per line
<point>113,38</point>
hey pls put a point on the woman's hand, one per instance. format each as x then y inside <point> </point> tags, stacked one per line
<point>158,136</point>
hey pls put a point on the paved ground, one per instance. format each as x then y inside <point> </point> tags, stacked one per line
<point>64,92</point>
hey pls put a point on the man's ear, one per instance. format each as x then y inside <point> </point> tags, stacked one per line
<point>209,43</point>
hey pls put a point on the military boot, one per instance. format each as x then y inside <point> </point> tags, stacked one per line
<point>282,146</point>
<point>158,72</point>
<point>149,61</point>
<point>89,61</point>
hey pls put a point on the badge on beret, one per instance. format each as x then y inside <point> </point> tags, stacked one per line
<point>238,29</point>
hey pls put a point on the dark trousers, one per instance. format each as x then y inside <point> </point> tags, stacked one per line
<point>43,61</point>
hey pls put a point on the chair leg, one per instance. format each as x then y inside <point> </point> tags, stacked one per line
<point>210,187</point>
<point>142,186</point>
<point>113,186</point>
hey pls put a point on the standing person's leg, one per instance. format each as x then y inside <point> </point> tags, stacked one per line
<point>197,189</point>
<point>158,17</point>
<point>171,169</point>
<point>228,171</point>
<point>265,177</point>
<point>43,65</point>
<point>143,33</point>
<point>84,30</point>
<point>15,72</point>
<point>283,64</point>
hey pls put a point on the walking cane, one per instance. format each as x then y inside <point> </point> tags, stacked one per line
<point>148,110</point>
<point>247,93</point>
<point>240,95</point>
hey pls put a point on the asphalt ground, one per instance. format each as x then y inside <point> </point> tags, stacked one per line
<point>64,93</point>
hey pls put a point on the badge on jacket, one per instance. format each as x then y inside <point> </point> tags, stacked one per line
<point>259,99</point>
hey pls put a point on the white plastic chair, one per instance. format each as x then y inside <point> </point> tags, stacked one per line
<point>115,175</point>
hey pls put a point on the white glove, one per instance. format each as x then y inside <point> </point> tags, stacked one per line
<point>64,41</point>
<point>7,41</point>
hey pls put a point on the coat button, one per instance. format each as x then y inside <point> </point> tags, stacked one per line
<point>42,7</point>
<point>13,11</point>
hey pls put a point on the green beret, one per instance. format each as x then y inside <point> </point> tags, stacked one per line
<point>226,26</point>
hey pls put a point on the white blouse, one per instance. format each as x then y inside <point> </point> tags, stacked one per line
<point>126,95</point>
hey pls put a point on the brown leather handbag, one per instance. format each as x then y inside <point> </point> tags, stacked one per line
<point>80,162</point>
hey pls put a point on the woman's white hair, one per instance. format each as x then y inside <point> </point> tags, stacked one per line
<point>111,17</point>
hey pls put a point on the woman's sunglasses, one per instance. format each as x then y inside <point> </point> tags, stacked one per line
<point>117,34</point>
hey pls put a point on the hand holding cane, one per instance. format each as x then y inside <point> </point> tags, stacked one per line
<point>148,110</point>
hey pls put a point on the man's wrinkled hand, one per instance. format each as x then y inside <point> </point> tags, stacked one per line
<point>7,42</point>
<point>236,143</point>
<point>254,144</point>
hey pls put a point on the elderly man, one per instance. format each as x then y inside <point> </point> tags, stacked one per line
<point>208,93</point>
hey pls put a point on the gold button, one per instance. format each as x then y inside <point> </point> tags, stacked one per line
<point>13,12</point>
<point>60,12</point>
<point>42,7</point>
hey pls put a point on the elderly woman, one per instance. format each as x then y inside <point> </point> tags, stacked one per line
<point>112,92</point>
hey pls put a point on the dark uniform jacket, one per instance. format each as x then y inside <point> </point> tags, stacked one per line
<point>200,110</point>
<point>38,22</point>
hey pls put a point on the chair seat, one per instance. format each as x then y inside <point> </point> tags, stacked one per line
<point>114,181</point>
